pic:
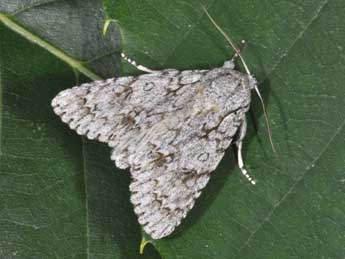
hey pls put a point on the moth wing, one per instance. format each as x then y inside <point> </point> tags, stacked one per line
<point>169,172</point>
<point>109,110</point>
<point>93,109</point>
<point>170,127</point>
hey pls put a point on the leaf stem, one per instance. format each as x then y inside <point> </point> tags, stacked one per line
<point>75,64</point>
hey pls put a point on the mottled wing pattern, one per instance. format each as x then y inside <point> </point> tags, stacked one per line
<point>116,111</point>
<point>170,127</point>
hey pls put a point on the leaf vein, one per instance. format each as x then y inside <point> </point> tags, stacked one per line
<point>86,198</point>
<point>267,219</point>
<point>185,35</point>
<point>299,36</point>
<point>75,64</point>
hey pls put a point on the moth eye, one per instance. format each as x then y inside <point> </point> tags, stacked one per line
<point>148,86</point>
<point>203,157</point>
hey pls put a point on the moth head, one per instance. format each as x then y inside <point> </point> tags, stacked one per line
<point>253,82</point>
<point>229,64</point>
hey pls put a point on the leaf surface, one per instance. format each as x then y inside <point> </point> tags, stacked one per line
<point>61,196</point>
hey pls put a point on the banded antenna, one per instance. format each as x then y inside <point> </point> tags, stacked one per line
<point>238,53</point>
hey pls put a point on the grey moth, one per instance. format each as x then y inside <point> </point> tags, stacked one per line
<point>170,128</point>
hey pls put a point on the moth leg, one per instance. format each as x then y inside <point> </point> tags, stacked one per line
<point>239,141</point>
<point>243,44</point>
<point>132,62</point>
<point>231,63</point>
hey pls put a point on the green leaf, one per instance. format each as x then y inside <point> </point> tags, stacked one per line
<point>61,196</point>
<point>296,50</point>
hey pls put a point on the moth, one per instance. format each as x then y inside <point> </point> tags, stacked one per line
<point>169,127</point>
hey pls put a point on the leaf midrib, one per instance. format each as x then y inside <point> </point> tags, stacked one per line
<point>299,36</point>
<point>86,199</point>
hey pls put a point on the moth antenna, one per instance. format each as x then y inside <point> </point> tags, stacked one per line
<point>238,53</point>
<point>268,124</point>
<point>133,63</point>
<point>228,40</point>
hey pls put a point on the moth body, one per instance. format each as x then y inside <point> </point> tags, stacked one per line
<point>169,127</point>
